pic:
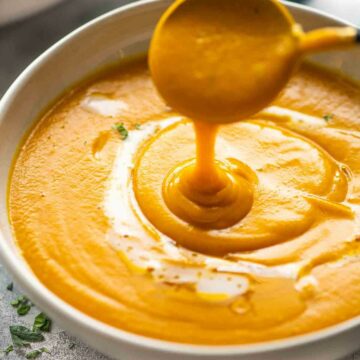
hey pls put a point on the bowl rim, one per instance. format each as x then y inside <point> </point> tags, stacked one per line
<point>57,307</point>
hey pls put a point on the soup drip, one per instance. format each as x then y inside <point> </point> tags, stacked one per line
<point>206,192</point>
<point>233,59</point>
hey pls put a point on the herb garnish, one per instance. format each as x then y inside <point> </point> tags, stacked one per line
<point>72,345</point>
<point>23,309</point>
<point>10,287</point>
<point>22,304</point>
<point>328,117</point>
<point>121,129</point>
<point>8,350</point>
<point>35,353</point>
<point>16,302</point>
<point>42,323</point>
<point>21,335</point>
<point>137,126</point>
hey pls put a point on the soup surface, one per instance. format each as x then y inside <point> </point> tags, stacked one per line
<point>87,193</point>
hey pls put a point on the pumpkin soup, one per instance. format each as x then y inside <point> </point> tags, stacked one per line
<point>290,266</point>
<point>158,221</point>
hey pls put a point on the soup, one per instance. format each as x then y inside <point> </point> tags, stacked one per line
<point>87,191</point>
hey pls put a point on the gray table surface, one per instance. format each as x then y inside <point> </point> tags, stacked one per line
<point>20,43</point>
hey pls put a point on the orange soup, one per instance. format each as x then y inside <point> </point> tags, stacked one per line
<point>90,206</point>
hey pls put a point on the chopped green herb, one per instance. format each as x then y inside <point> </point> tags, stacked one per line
<point>71,346</point>
<point>42,323</point>
<point>22,304</point>
<point>121,129</point>
<point>10,287</point>
<point>9,349</point>
<point>35,353</point>
<point>21,335</point>
<point>18,342</point>
<point>23,309</point>
<point>328,117</point>
<point>137,126</point>
<point>17,301</point>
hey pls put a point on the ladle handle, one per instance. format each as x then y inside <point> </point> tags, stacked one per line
<point>329,38</point>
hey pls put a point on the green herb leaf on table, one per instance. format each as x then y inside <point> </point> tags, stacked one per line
<point>42,323</point>
<point>9,349</point>
<point>18,342</point>
<point>15,303</point>
<point>23,309</point>
<point>121,129</point>
<point>36,353</point>
<point>33,354</point>
<point>22,304</point>
<point>18,301</point>
<point>10,287</point>
<point>21,335</point>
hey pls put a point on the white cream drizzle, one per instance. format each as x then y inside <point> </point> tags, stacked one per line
<point>145,249</point>
<point>104,105</point>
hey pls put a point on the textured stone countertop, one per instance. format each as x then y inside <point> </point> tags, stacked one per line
<point>20,43</point>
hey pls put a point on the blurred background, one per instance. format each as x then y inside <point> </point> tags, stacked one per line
<point>28,27</point>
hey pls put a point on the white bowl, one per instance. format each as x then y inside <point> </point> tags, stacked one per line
<point>123,32</point>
